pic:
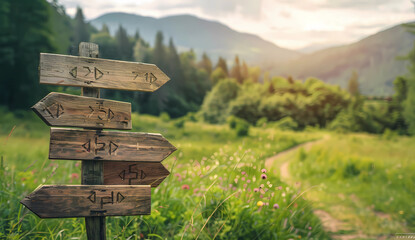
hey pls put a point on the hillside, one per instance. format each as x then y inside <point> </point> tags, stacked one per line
<point>374,59</point>
<point>202,35</point>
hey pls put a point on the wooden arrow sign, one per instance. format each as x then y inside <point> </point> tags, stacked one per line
<point>56,201</point>
<point>108,145</point>
<point>134,173</point>
<point>63,110</point>
<point>77,71</point>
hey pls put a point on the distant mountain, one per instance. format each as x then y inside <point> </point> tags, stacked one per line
<point>374,59</point>
<point>202,35</point>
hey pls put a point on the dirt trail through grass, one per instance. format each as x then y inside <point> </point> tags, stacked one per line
<point>335,226</point>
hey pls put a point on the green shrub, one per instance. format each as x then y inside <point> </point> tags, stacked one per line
<point>286,123</point>
<point>179,123</point>
<point>242,127</point>
<point>164,117</point>
<point>262,122</point>
<point>350,170</point>
<point>231,120</point>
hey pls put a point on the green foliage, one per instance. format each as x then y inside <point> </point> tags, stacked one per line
<point>217,75</point>
<point>179,123</point>
<point>81,29</point>
<point>236,70</point>
<point>165,117</point>
<point>232,120</point>
<point>242,127</point>
<point>262,122</point>
<point>200,198</point>
<point>222,64</point>
<point>353,85</point>
<point>286,123</point>
<point>215,105</point>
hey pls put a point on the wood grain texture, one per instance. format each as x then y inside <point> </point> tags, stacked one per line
<point>65,110</point>
<point>134,173</point>
<point>56,201</point>
<point>77,71</point>
<point>74,144</point>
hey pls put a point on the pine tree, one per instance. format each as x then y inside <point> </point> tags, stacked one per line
<point>105,29</point>
<point>205,63</point>
<point>236,70</point>
<point>245,71</point>
<point>222,64</point>
<point>353,85</point>
<point>124,47</point>
<point>28,33</point>
<point>159,53</point>
<point>81,28</point>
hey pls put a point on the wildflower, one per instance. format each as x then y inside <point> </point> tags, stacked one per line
<point>243,173</point>
<point>401,212</point>
<point>280,187</point>
<point>260,203</point>
<point>262,186</point>
<point>263,176</point>
<point>243,178</point>
<point>74,176</point>
<point>248,181</point>
<point>309,228</point>
<point>276,206</point>
<point>185,186</point>
<point>263,170</point>
<point>256,190</point>
<point>77,164</point>
<point>245,185</point>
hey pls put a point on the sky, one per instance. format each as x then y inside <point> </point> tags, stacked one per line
<point>293,24</point>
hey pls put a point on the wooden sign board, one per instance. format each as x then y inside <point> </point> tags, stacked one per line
<point>56,201</point>
<point>77,71</point>
<point>74,144</point>
<point>134,173</point>
<point>63,110</point>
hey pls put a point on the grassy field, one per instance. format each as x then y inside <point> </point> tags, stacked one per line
<point>365,182</point>
<point>215,189</point>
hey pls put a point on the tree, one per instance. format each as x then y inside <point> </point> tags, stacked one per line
<point>245,70</point>
<point>236,70</point>
<point>222,64</point>
<point>25,32</point>
<point>81,28</point>
<point>124,47</point>
<point>205,63</point>
<point>159,53</point>
<point>105,29</point>
<point>353,85</point>
<point>217,75</point>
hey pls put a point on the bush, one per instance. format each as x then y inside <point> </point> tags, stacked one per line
<point>242,128</point>
<point>164,117</point>
<point>231,120</point>
<point>179,123</point>
<point>262,122</point>
<point>286,123</point>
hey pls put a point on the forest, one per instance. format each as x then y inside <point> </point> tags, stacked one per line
<point>238,90</point>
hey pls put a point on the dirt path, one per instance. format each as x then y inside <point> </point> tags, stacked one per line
<point>330,224</point>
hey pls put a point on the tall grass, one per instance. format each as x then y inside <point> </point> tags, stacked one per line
<point>216,189</point>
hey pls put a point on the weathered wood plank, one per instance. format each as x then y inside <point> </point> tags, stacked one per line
<point>75,144</point>
<point>134,173</point>
<point>68,70</point>
<point>65,110</point>
<point>59,201</point>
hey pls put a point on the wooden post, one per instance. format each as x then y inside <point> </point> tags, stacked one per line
<point>92,171</point>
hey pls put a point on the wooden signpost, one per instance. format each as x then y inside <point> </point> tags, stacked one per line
<point>65,110</point>
<point>108,145</point>
<point>118,168</point>
<point>55,201</point>
<point>131,173</point>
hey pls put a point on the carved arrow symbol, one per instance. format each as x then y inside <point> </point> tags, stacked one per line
<point>120,197</point>
<point>93,197</point>
<point>74,72</point>
<point>89,71</point>
<point>98,74</point>
<point>87,146</point>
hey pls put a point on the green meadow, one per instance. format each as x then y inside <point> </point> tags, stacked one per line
<point>217,188</point>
